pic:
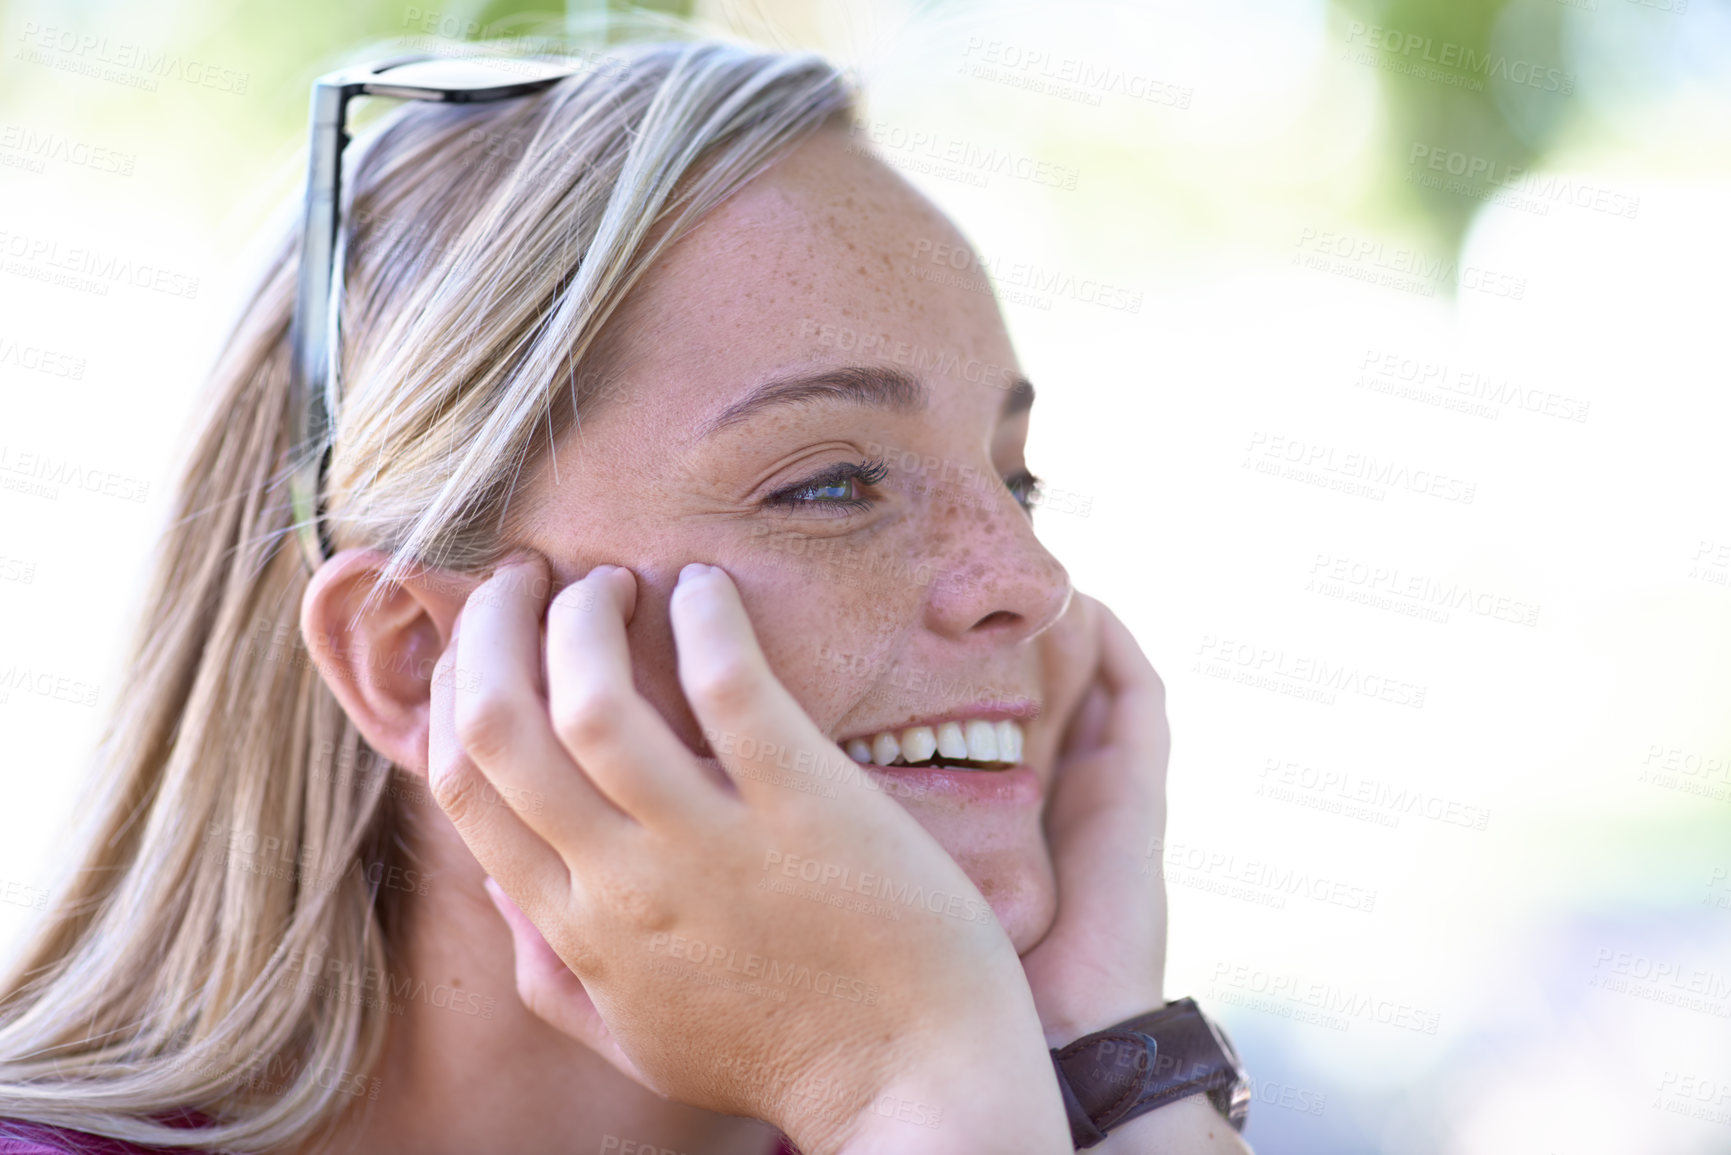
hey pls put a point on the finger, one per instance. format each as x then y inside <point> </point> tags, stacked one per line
<point>494,834</point>
<point>770,748</point>
<point>551,991</point>
<point>621,742</point>
<point>502,718</point>
<point>1138,711</point>
<point>1087,730</point>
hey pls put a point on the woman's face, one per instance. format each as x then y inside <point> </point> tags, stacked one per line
<point>801,333</point>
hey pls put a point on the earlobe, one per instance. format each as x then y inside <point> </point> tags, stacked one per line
<point>376,646</point>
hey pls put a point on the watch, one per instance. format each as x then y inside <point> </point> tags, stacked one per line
<point>1111,1076</point>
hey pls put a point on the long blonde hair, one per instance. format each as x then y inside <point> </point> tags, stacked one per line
<point>240,825</point>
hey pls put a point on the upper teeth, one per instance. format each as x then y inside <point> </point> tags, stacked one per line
<point>975,739</point>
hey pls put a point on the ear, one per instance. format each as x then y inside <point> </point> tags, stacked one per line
<point>378,660</point>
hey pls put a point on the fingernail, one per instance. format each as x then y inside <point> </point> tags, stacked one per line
<point>693,571</point>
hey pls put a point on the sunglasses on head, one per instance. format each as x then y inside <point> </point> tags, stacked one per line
<point>312,336</point>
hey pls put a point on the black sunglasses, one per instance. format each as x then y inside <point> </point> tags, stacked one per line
<point>416,77</point>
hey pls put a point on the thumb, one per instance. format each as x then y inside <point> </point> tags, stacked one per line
<point>551,992</point>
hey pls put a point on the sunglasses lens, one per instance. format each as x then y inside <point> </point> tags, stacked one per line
<point>474,74</point>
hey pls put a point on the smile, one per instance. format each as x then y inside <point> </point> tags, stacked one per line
<point>960,744</point>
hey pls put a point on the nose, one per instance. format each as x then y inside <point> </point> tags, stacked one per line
<point>991,577</point>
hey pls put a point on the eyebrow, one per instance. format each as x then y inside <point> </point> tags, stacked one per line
<point>876,386</point>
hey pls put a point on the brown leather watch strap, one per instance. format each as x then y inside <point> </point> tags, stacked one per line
<point>1101,1076</point>
<point>1112,1076</point>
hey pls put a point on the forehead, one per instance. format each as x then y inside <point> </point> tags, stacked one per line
<point>813,263</point>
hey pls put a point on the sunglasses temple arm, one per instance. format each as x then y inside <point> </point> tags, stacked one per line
<point>310,336</point>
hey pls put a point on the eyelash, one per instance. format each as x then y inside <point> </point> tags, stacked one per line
<point>1023,484</point>
<point>868,472</point>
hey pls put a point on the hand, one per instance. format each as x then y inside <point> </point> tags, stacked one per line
<point>1104,959</point>
<point>640,873</point>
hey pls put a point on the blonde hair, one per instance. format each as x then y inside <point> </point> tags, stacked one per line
<point>487,245</point>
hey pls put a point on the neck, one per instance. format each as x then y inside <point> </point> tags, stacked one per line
<point>467,1067</point>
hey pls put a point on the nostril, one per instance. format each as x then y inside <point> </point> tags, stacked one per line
<point>998,618</point>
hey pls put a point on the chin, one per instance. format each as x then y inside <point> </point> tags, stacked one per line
<point>1006,858</point>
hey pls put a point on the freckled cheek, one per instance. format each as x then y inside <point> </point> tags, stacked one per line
<point>826,625</point>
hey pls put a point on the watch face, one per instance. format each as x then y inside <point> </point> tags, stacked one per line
<point>1226,1046</point>
<point>1236,1104</point>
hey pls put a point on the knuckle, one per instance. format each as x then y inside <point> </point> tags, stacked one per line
<point>458,793</point>
<point>731,686</point>
<point>628,902</point>
<point>484,727</point>
<point>590,718</point>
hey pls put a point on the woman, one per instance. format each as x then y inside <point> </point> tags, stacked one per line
<point>587,337</point>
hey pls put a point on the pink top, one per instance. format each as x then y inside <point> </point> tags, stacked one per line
<point>20,1138</point>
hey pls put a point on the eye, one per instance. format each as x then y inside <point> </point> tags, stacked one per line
<point>836,489</point>
<point>1026,487</point>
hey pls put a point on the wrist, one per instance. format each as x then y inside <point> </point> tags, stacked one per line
<point>1066,1023</point>
<point>989,1101</point>
<point>985,1085</point>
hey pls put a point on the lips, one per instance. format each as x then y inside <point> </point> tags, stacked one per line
<point>958,742</point>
